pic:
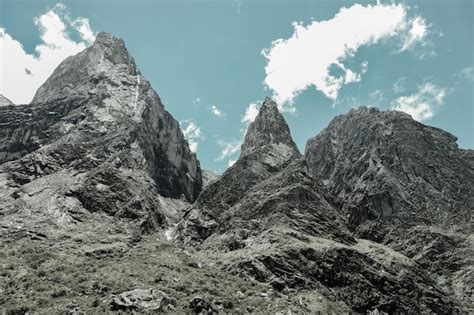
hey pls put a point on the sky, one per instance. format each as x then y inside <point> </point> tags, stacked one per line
<point>213,62</point>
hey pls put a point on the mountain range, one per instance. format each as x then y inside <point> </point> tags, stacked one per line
<point>103,207</point>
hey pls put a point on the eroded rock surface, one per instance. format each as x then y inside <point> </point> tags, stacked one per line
<point>405,185</point>
<point>96,138</point>
<point>387,167</point>
<point>101,208</point>
<point>268,218</point>
<point>4,101</point>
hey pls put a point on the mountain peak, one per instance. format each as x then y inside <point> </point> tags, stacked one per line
<point>106,61</point>
<point>4,101</point>
<point>269,127</point>
<point>107,38</point>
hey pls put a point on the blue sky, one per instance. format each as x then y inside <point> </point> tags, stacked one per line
<point>212,62</point>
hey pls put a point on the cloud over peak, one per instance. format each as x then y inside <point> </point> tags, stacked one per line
<point>423,104</point>
<point>217,111</point>
<point>192,133</point>
<point>305,59</point>
<point>16,65</point>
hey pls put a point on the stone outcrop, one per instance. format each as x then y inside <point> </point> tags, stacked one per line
<point>269,127</point>
<point>5,101</point>
<point>140,300</point>
<point>208,177</point>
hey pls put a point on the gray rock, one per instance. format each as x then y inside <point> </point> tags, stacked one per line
<point>98,139</point>
<point>5,101</point>
<point>208,177</point>
<point>269,127</point>
<point>199,305</point>
<point>140,300</point>
<point>385,166</point>
<point>403,184</point>
<point>271,220</point>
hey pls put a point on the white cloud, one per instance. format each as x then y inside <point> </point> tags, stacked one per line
<point>228,148</point>
<point>22,73</point>
<point>423,104</point>
<point>399,85</point>
<point>376,96</point>
<point>466,74</point>
<point>304,60</point>
<point>192,133</point>
<point>84,28</point>
<point>231,162</point>
<point>196,100</point>
<point>417,31</point>
<point>251,112</point>
<point>216,111</point>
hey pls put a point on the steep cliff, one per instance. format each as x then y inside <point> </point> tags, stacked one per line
<point>95,138</point>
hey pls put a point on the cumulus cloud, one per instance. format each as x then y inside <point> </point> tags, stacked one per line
<point>229,148</point>
<point>399,85</point>
<point>423,104</point>
<point>231,162</point>
<point>306,58</point>
<point>216,111</point>
<point>22,73</point>
<point>465,74</point>
<point>376,96</point>
<point>417,31</point>
<point>192,133</point>
<point>251,112</point>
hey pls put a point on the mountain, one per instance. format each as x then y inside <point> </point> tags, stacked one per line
<point>387,167</point>
<point>269,219</point>
<point>103,208</point>
<point>95,138</point>
<point>403,184</point>
<point>268,127</point>
<point>5,101</point>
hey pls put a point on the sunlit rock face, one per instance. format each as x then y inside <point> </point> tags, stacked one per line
<point>383,166</point>
<point>98,136</point>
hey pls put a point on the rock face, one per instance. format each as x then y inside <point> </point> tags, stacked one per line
<point>5,101</point>
<point>259,163</point>
<point>403,184</point>
<point>270,219</point>
<point>269,127</point>
<point>208,177</point>
<point>386,167</point>
<point>101,208</point>
<point>96,138</point>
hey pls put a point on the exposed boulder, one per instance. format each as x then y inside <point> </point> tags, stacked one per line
<point>140,300</point>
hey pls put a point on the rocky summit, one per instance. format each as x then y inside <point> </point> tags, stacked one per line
<point>104,208</point>
<point>96,138</point>
<point>5,101</point>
